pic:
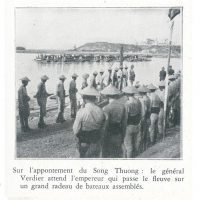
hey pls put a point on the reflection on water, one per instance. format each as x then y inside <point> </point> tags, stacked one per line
<point>146,72</point>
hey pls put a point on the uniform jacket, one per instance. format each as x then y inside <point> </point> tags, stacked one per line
<point>72,90</point>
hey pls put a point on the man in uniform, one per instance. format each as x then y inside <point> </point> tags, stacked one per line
<point>42,96</point>
<point>155,109</point>
<point>170,71</point>
<point>99,80</point>
<point>161,94</point>
<point>133,118</point>
<point>84,83</point>
<point>146,112</point>
<point>93,79</point>
<point>60,92</point>
<point>23,100</point>
<point>120,77</point>
<point>88,125</point>
<point>115,78</point>
<point>131,75</point>
<point>108,77</point>
<point>125,76</point>
<point>162,74</point>
<point>115,124</point>
<point>72,95</point>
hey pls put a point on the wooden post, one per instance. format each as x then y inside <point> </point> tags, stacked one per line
<point>121,56</point>
<point>166,80</point>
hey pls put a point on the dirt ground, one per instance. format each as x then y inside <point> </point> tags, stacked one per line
<point>58,141</point>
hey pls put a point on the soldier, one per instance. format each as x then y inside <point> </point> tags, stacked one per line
<point>131,75</point>
<point>23,100</point>
<point>125,77</point>
<point>72,95</point>
<point>155,109</point>
<point>42,96</point>
<point>93,79</point>
<point>120,77</point>
<point>161,94</point>
<point>170,71</point>
<point>60,92</point>
<point>107,77</point>
<point>133,118</point>
<point>146,112</point>
<point>88,125</point>
<point>115,78</point>
<point>162,74</point>
<point>84,83</point>
<point>99,80</point>
<point>115,124</point>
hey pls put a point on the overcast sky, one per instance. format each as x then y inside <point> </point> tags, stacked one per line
<point>62,28</point>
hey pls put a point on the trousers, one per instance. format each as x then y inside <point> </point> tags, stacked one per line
<point>132,140</point>
<point>153,129</point>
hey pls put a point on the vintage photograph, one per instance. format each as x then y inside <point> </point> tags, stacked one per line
<point>98,83</point>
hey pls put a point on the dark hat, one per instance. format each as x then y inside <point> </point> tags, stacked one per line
<point>45,77</point>
<point>62,77</point>
<point>25,79</point>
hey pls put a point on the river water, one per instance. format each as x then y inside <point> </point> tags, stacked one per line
<point>146,72</point>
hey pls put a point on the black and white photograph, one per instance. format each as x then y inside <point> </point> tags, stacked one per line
<point>98,83</point>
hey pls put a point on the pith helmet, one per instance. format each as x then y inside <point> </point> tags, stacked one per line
<point>89,91</point>
<point>171,77</point>
<point>85,76</point>
<point>74,75</point>
<point>152,87</point>
<point>95,73</point>
<point>102,71</point>
<point>110,90</point>
<point>143,89</point>
<point>62,77</point>
<point>110,69</point>
<point>25,79</point>
<point>45,77</point>
<point>121,67</point>
<point>162,84</point>
<point>130,90</point>
<point>116,69</point>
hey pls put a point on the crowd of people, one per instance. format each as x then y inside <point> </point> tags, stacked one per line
<point>132,120</point>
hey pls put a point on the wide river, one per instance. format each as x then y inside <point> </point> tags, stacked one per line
<point>146,72</point>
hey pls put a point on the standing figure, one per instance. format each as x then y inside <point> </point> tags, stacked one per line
<point>99,80</point>
<point>170,71</point>
<point>42,96</point>
<point>23,100</point>
<point>84,82</point>
<point>108,77</point>
<point>161,94</point>
<point>60,92</point>
<point>145,121</point>
<point>115,124</point>
<point>132,138</point>
<point>125,77</point>
<point>93,79</point>
<point>88,125</point>
<point>162,74</point>
<point>115,78</point>
<point>120,77</point>
<point>131,75</point>
<point>155,109</point>
<point>72,95</point>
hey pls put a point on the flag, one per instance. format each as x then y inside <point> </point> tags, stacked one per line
<point>173,12</point>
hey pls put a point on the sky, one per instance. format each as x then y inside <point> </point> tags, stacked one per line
<point>62,28</point>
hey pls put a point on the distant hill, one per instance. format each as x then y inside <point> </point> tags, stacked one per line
<point>115,47</point>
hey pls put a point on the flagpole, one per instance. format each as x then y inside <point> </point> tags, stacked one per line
<point>166,82</point>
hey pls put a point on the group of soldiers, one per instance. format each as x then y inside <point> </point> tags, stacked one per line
<point>132,120</point>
